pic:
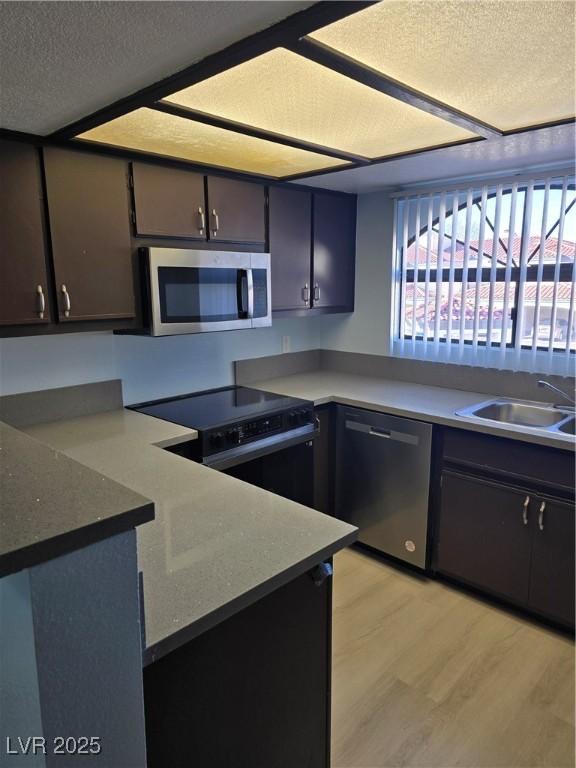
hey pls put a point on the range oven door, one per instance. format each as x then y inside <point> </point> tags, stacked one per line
<point>198,291</point>
<point>288,473</point>
<point>282,464</point>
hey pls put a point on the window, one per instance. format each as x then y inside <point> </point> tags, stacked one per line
<point>490,267</point>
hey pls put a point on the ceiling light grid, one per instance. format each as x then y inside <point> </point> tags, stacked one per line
<point>395,78</point>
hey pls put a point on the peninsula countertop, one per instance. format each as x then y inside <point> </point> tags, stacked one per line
<point>51,505</point>
<point>216,544</point>
<point>437,405</point>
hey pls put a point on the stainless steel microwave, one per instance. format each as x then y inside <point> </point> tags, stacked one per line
<point>197,291</point>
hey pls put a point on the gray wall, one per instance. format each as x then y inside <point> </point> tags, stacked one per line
<point>148,367</point>
<point>71,656</point>
<point>368,329</point>
<point>20,713</point>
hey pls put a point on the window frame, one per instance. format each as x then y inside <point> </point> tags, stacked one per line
<point>565,274</point>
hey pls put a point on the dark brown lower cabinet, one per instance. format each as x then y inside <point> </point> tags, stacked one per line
<point>510,542</point>
<point>552,568</point>
<point>484,536</point>
<point>253,692</point>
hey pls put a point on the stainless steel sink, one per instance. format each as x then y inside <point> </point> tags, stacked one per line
<point>523,414</point>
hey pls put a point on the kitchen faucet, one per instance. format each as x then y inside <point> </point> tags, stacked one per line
<point>571,407</point>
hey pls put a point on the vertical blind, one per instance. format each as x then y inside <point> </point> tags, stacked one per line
<point>488,268</point>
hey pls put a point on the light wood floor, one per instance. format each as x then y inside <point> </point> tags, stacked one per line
<point>427,676</point>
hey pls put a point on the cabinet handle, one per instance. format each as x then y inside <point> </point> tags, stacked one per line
<point>541,515</point>
<point>66,296</point>
<point>215,222</point>
<point>201,220</point>
<point>306,294</point>
<point>316,292</point>
<point>525,510</point>
<point>41,302</point>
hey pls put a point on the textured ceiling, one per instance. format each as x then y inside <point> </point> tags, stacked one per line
<point>506,154</point>
<point>60,61</point>
<point>509,63</point>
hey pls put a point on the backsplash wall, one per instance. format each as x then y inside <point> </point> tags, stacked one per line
<point>149,367</point>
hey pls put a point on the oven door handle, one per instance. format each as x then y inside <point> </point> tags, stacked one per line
<point>243,453</point>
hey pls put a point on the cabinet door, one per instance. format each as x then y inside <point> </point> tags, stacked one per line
<point>290,216</point>
<point>90,230</point>
<point>334,253</point>
<point>23,278</point>
<point>484,535</point>
<point>552,571</point>
<point>236,211</point>
<point>168,202</point>
<point>252,692</point>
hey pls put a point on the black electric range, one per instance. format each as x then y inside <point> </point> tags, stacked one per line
<point>236,424</point>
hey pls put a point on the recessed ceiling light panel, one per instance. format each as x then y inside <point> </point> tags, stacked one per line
<point>148,130</point>
<point>509,63</point>
<point>288,94</point>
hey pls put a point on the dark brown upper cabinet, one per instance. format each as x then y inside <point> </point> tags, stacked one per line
<point>168,202</point>
<point>24,294</point>
<point>334,244</point>
<point>290,212</point>
<point>236,211</point>
<point>88,201</point>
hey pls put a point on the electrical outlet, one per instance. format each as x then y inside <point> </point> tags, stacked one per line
<point>285,343</point>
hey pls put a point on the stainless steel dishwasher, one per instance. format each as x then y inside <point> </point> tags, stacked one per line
<point>383,478</point>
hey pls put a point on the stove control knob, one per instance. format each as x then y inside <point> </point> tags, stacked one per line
<point>216,439</point>
<point>233,436</point>
<point>293,418</point>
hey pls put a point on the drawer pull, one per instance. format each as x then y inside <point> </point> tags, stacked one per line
<point>41,302</point>
<point>67,304</point>
<point>525,510</point>
<point>201,220</point>
<point>541,515</point>
<point>215,222</point>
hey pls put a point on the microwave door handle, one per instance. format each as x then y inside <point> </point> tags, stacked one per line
<point>241,281</point>
<point>250,286</point>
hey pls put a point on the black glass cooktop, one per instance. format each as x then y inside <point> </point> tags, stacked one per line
<point>218,407</point>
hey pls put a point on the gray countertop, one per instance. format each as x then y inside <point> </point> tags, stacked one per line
<point>400,398</point>
<point>216,544</point>
<point>51,505</point>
